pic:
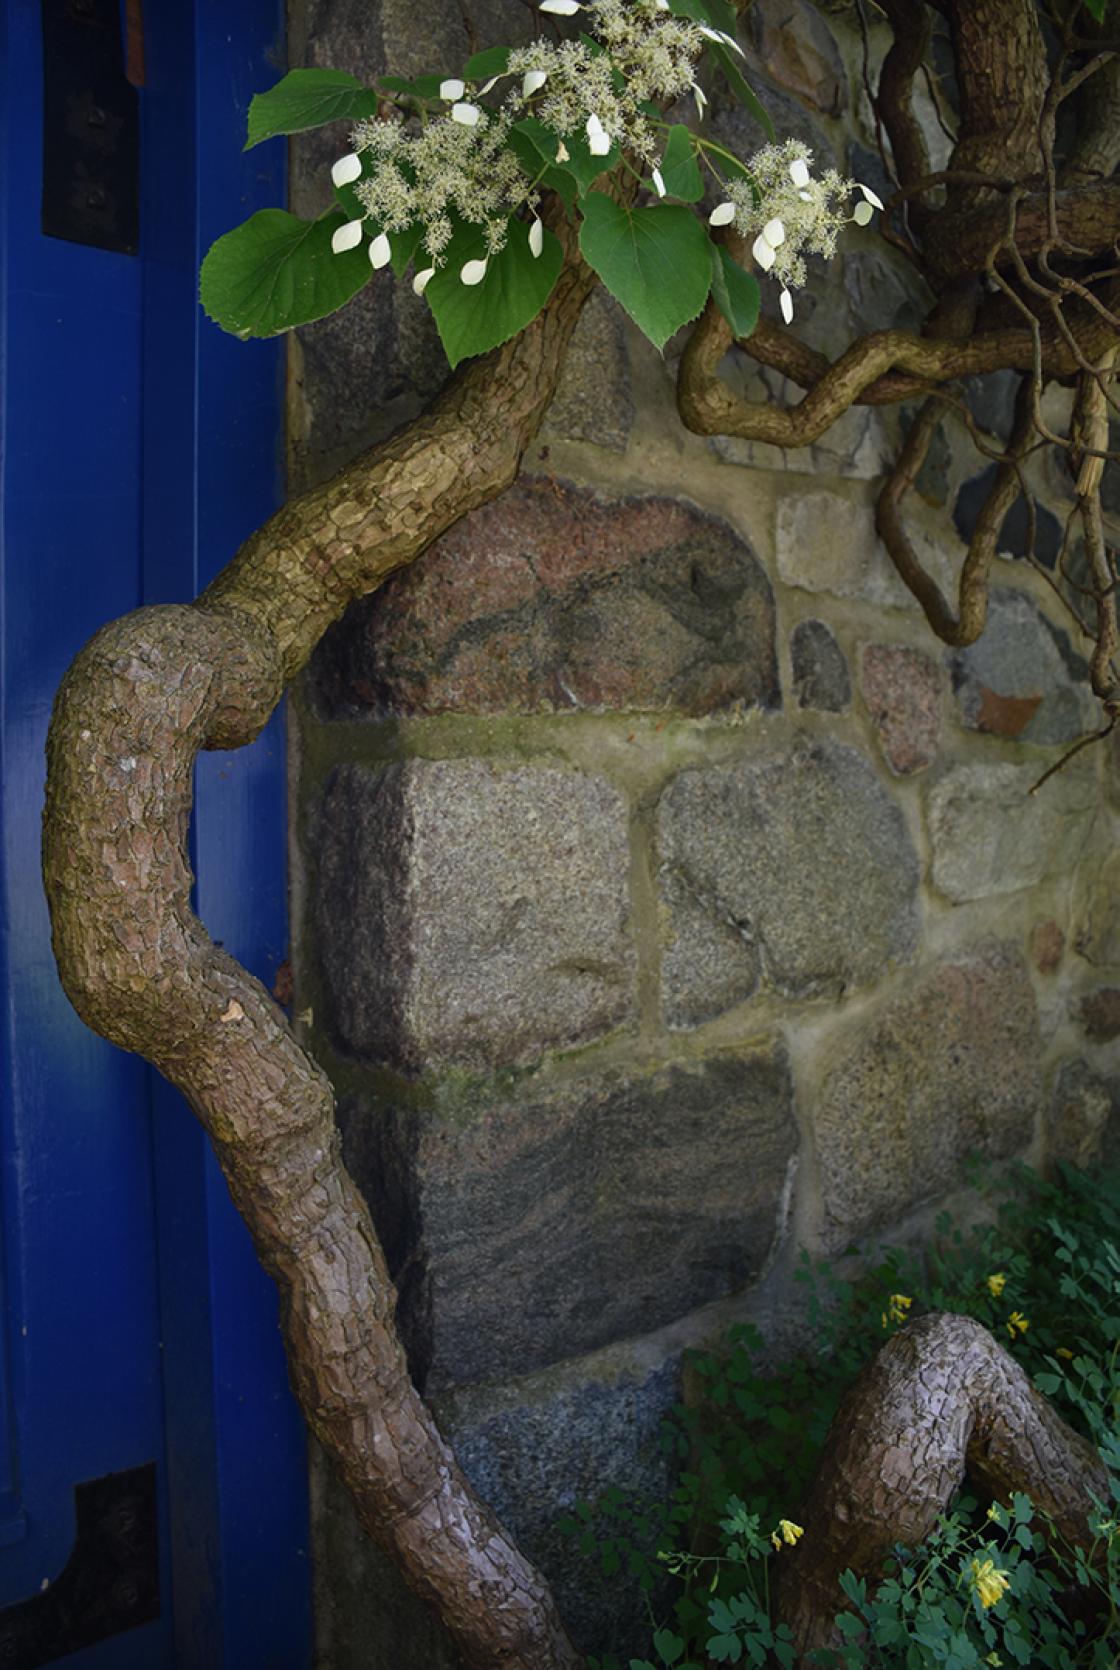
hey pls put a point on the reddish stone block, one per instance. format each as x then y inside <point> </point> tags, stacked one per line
<point>1047,943</point>
<point>557,599</point>
<point>902,691</point>
<point>1100,1015</point>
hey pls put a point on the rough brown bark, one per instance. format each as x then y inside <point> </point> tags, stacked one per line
<point>138,703</point>
<point>940,1401</point>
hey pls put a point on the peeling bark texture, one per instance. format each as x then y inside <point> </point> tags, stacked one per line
<point>940,1401</point>
<point>141,699</point>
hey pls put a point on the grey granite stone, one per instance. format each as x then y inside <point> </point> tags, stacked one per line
<point>820,672</point>
<point>469,915</point>
<point>800,52</point>
<point>526,1229</point>
<point>1022,677</point>
<point>1079,1114</point>
<point>1015,534</point>
<point>828,543</point>
<point>990,835</point>
<point>594,400</point>
<point>952,1067</point>
<point>794,869</point>
<point>537,1449</point>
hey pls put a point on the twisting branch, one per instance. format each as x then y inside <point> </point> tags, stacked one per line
<point>136,706</point>
<point>940,1401</point>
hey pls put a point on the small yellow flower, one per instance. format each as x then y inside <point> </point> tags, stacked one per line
<point>1017,1323</point>
<point>897,1306</point>
<point>789,1533</point>
<point>995,1512</point>
<point>993,1658</point>
<point>1063,1352</point>
<point>987,1583</point>
<point>996,1284</point>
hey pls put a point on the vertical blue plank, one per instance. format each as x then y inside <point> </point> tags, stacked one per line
<point>78,1244</point>
<point>213,473</point>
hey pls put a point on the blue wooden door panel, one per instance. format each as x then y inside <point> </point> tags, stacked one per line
<point>137,447</point>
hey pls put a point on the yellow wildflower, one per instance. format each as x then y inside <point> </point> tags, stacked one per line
<point>1017,1323</point>
<point>897,1306</point>
<point>995,1512</point>
<point>987,1583</point>
<point>1061,1351</point>
<point>993,1658</point>
<point>789,1533</point>
<point>996,1284</point>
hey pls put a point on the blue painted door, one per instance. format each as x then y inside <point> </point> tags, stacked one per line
<point>152,1462</point>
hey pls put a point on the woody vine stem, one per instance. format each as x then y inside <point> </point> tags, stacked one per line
<point>1017,242</point>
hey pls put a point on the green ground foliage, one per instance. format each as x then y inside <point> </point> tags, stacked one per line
<point>994,1584</point>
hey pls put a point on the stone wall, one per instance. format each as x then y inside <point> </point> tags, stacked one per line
<point>666,898</point>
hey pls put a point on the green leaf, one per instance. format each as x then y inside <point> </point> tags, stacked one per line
<point>736,292</point>
<point>717,14</point>
<point>654,261</point>
<point>580,164</point>
<point>553,179</point>
<point>1097,8</point>
<point>276,271</point>
<point>679,167</point>
<point>472,318</point>
<point>742,89</point>
<point>494,61</point>
<point>669,1646</point>
<point>308,99</point>
<point>423,87</point>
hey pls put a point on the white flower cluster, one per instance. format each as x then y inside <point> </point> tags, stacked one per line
<point>457,162</point>
<point>789,213</point>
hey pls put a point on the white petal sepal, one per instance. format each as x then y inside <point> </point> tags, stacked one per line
<point>346,237</point>
<point>598,139</point>
<point>473,273</point>
<point>421,281</point>
<point>862,213</point>
<point>774,233</point>
<point>722,215</point>
<point>560,8</point>
<point>346,170</point>
<point>532,82</point>
<point>658,182</point>
<point>488,86</point>
<point>701,98</point>
<point>785,302</point>
<point>452,89</point>
<point>799,171</point>
<point>465,114</point>
<point>870,197</point>
<point>763,253</point>
<point>720,38</point>
<point>379,252</point>
<point>536,239</point>
<point>563,154</point>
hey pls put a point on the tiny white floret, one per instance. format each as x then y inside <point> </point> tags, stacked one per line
<point>473,273</point>
<point>379,252</point>
<point>658,182</point>
<point>862,213</point>
<point>422,280</point>
<point>560,8</point>
<point>870,197</point>
<point>722,215</point>
<point>536,238</point>
<point>452,89</point>
<point>532,82</point>
<point>763,253</point>
<point>465,114</point>
<point>785,301</point>
<point>774,233</point>
<point>346,170</point>
<point>346,237</point>
<point>799,171</point>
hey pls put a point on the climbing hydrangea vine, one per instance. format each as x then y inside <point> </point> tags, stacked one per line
<point>446,174</point>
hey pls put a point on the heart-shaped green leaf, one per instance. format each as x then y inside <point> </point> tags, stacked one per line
<point>736,292</point>
<point>494,61</point>
<point>655,261</point>
<point>308,99</point>
<point>472,318</point>
<point>276,271</point>
<point>680,170</point>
